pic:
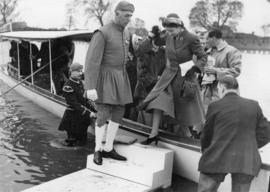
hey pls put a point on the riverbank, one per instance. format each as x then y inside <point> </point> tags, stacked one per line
<point>249,42</point>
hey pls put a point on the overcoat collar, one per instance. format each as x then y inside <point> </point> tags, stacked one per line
<point>222,44</point>
<point>180,35</point>
<point>231,92</point>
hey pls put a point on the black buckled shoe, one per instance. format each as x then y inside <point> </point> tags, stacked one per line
<point>70,142</point>
<point>98,158</point>
<point>113,155</point>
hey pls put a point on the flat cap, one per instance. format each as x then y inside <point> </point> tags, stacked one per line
<point>124,6</point>
<point>75,67</point>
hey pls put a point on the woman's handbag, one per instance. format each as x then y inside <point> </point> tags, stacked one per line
<point>189,85</point>
<point>188,89</point>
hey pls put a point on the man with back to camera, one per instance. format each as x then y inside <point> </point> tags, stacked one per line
<point>234,130</point>
<point>106,79</point>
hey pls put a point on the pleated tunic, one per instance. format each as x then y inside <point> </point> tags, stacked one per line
<point>105,66</point>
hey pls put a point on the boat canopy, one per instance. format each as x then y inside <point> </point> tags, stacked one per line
<point>43,36</point>
<point>46,35</point>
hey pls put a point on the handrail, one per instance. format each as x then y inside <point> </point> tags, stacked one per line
<point>23,80</point>
<point>12,67</point>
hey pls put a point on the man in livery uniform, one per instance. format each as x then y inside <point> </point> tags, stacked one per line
<point>76,118</point>
<point>106,79</point>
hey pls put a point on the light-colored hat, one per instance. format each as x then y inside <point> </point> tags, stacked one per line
<point>136,39</point>
<point>75,67</point>
<point>124,6</point>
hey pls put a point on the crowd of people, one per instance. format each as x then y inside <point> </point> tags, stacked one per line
<point>210,87</point>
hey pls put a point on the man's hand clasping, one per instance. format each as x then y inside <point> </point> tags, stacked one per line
<point>92,94</point>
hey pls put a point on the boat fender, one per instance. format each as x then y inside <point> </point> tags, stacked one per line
<point>68,89</point>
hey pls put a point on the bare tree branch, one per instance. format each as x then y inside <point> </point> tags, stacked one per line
<point>7,10</point>
<point>216,13</point>
<point>96,9</point>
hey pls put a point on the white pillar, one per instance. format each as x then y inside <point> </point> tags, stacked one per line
<point>31,62</point>
<point>18,53</point>
<point>50,58</point>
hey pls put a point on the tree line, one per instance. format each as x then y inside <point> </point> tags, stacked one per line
<point>204,15</point>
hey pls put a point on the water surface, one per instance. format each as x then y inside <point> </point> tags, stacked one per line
<point>30,150</point>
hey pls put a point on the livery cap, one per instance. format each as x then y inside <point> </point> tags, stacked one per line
<point>75,67</point>
<point>124,6</point>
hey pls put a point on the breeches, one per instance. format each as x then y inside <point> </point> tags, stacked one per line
<point>107,112</point>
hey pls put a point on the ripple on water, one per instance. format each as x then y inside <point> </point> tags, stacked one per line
<point>27,156</point>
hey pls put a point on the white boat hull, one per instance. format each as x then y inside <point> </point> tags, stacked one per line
<point>186,156</point>
<point>35,96</point>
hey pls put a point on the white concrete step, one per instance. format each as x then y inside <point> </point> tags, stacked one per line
<point>147,165</point>
<point>89,180</point>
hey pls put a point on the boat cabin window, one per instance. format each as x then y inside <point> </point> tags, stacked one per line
<point>22,60</point>
<point>62,54</point>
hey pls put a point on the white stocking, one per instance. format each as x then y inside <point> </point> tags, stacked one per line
<point>111,133</point>
<point>99,134</point>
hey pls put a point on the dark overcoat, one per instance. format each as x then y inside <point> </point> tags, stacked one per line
<point>234,130</point>
<point>150,64</point>
<point>25,62</point>
<point>165,95</point>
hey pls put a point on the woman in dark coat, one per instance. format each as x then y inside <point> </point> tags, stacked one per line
<point>150,64</point>
<point>165,97</point>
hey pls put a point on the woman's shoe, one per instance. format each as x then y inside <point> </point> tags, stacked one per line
<point>149,140</point>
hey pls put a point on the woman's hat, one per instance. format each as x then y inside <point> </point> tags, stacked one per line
<point>172,20</point>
